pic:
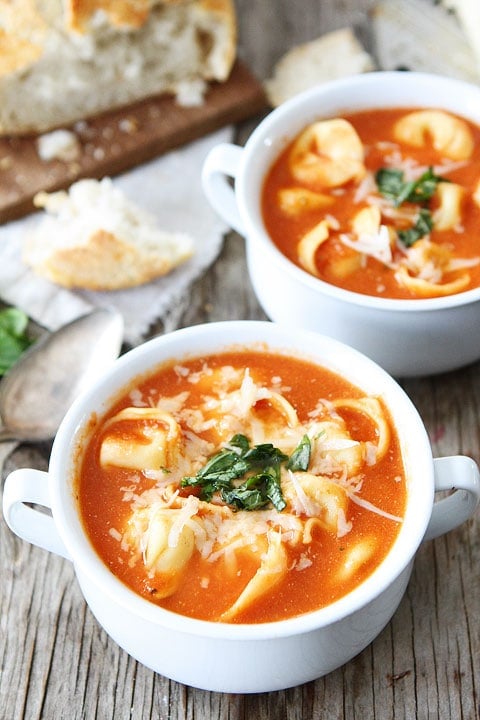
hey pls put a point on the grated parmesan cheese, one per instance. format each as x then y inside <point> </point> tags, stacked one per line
<point>218,531</point>
<point>375,245</point>
<point>343,526</point>
<point>115,534</point>
<point>373,508</point>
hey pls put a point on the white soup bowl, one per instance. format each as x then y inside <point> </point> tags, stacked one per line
<point>221,656</point>
<point>406,337</point>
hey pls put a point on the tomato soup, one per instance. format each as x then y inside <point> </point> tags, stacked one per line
<point>383,202</point>
<point>243,487</point>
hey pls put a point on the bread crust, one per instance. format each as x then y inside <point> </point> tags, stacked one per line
<point>132,13</point>
<point>105,262</point>
<point>36,35</point>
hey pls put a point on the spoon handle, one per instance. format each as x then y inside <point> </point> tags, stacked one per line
<point>6,434</point>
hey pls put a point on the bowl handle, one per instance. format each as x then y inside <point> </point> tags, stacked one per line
<point>222,162</point>
<point>31,486</point>
<point>460,474</point>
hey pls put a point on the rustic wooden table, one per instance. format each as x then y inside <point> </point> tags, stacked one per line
<point>55,660</point>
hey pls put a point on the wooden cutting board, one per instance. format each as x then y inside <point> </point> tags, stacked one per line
<point>119,140</point>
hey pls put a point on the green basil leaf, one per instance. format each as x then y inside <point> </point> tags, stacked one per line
<point>391,184</point>
<point>300,458</point>
<point>222,469</point>
<point>244,498</point>
<point>264,455</point>
<point>273,491</point>
<point>424,188</point>
<point>241,442</point>
<point>422,227</point>
<point>13,338</point>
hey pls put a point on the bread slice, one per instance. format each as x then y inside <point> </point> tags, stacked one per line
<point>66,60</point>
<point>330,56</point>
<point>94,238</point>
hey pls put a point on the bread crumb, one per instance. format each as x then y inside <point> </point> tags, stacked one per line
<point>107,133</point>
<point>99,153</point>
<point>191,93</point>
<point>58,145</point>
<point>128,125</point>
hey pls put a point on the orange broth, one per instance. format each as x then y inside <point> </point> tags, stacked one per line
<point>375,129</point>
<point>104,496</point>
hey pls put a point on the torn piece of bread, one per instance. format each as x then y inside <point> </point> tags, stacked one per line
<point>94,238</point>
<point>330,56</point>
<point>66,60</point>
<point>468,14</point>
<point>400,39</point>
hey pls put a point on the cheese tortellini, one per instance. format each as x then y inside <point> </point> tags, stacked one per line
<point>448,134</point>
<point>423,268</point>
<point>328,154</point>
<point>167,545</point>
<point>139,438</point>
<point>448,214</point>
<point>273,568</point>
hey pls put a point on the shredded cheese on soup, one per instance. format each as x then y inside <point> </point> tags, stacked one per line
<point>414,173</point>
<point>208,484</point>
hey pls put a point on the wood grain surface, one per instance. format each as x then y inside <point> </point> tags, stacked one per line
<point>119,140</point>
<point>55,660</point>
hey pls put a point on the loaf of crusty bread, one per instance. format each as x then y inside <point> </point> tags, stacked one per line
<point>66,60</point>
<point>330,56</point>
<point>93,237</point>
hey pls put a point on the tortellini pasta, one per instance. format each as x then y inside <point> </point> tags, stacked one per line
<point>333,447</point>
<point>328,154</point>
<point>426,288</point>
<point>309,244</point>
<point>424,268</point>
<point>448,134</point>
<point>139,438</point>
<point>355,557</point>
<point>297,200</point>
<point>476,194</point>
<point>165,552</point>
<point>448,215</point>
<point>372,408</point>
<point>273,567</point>
<point>318,497</point>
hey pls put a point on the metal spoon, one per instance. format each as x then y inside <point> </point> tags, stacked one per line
<point>38,390</point>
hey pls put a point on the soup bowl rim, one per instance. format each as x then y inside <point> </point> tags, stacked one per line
<point>138,362</point>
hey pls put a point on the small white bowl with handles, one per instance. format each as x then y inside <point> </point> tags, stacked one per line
<point>220,656</point>
<point>406,337</point>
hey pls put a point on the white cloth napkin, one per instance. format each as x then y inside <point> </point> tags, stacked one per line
<point>169,187</point>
